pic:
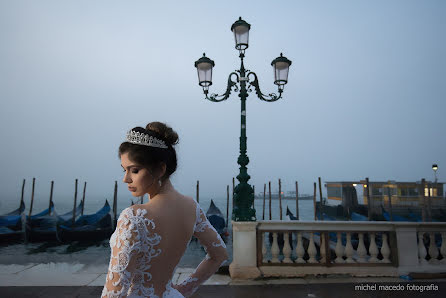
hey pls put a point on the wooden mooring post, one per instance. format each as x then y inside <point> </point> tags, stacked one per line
<point>51,197</point>
<point>75,199</point>
<point>269,190</point>
<point>369,202</point>
<point>280,199</point>
<point>314,200</point>
<point>115,203</point>
<point>227,204</point>
<point>23,192</point>
<point>390,203</point>
<point>297,201</point>
<point>423,199</point>
<point>83,198</point>
<point>32,197</point>
<point>264,196</point>
<point>429,202</point>
<point>321,206</point>
<point>198,191</point>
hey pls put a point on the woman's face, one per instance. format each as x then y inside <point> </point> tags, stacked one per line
<point>140,181</point>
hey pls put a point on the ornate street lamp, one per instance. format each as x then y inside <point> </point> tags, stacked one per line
<point>243,80</point>
<point>241,34</point>
<point>281,66</point>
<point>204,68</point>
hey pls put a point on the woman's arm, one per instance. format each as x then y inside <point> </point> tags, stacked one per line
<point>216,256</point>
<point>123,256</point>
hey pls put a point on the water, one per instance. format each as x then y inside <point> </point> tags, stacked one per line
<point>99,252</point>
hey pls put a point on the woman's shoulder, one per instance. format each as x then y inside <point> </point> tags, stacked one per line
<point>152,211</point>
<point>182,200</point>
<point>190,200</point>
<point>135,217</point>
<point>134,210</point>
<point>132,213</point>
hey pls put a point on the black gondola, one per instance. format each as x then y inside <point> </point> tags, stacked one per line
<point>42,226</point>
<point>290,214</point>
<point>96,226</point>
<point>216,219</point>
<point>11,224</point>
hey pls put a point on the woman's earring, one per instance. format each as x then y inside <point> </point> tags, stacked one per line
<point>159,183</point>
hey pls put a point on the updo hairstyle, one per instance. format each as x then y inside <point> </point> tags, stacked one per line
<point>150,157</point>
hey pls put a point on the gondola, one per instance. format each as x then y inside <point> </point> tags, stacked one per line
<point>96,226</point>
<point>42,226</point>
<point>416,216</point>
<point>216,219</point>
<point>326,217</point>
<point>290,215</point>
<point>358,217</point>
<point>11,224</point>
<point>12,218</point>
<point>395,217</point>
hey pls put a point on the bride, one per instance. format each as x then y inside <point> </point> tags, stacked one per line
<point>151,238</point>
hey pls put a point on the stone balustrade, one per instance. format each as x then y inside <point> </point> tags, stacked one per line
<point>298,248</point>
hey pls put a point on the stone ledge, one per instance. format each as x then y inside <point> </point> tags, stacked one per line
<point>243,272</point>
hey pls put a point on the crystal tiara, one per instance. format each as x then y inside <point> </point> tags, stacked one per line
<point>139,138</point>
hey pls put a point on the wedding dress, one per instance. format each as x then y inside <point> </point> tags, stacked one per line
<point>141,267</point>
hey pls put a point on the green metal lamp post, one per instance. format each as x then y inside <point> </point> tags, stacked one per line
<point>244,81</point>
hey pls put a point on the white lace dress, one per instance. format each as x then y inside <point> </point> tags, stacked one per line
<point>139,267</point>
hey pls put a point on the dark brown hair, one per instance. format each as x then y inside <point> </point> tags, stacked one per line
<point>153,157</point>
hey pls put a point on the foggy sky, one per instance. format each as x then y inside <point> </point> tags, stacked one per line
<point>365,98</point>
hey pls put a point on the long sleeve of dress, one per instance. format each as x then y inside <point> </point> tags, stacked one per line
<point>131,250</point>
<point>216,255</point>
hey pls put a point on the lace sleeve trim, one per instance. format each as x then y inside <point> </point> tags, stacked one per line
<point>201,224</point>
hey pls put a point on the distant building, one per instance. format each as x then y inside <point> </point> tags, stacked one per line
<point>402,193</point>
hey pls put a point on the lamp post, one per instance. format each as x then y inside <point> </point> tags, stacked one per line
<point>242,80</point>
<point>435,168</point>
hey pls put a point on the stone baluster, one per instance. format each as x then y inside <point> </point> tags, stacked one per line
<point>312,252</point>
<point>421,249</point>
<point>373,249</point>
<point>443,247</point>
<point>322,249</point>
<point>433,249</point>
<point>339,249</point>
<point>362,251</point>
<point>275,249</point>
<point>300,251</point>
<point>264,259</point>
<point>286,249</point>
<point>349,249</point>
<point>385,249</point>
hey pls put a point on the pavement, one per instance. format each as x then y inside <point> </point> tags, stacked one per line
<point>80,280</point>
